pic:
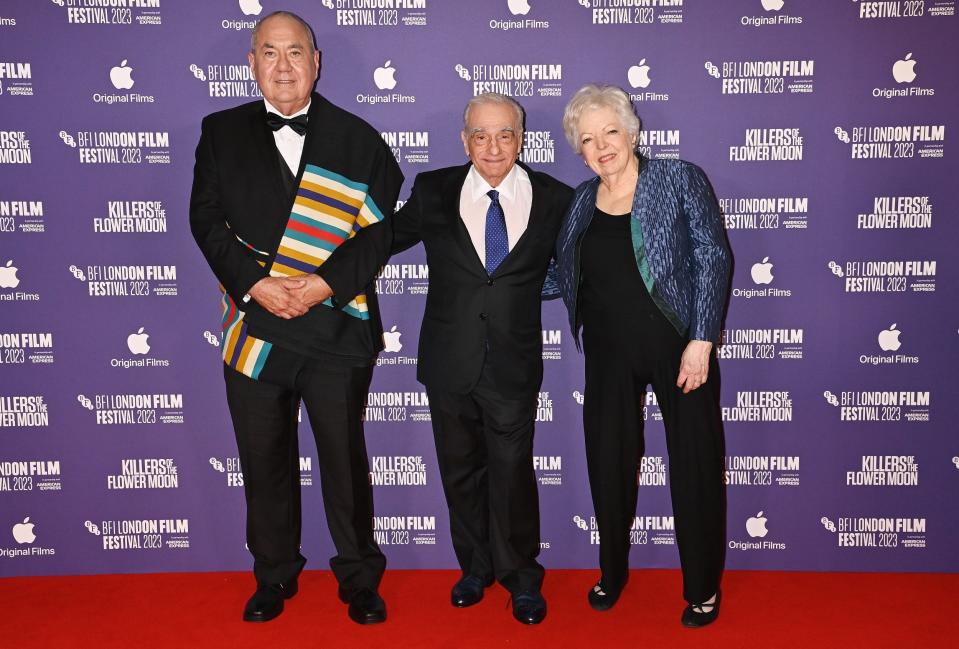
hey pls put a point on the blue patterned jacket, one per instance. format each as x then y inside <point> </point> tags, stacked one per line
<point>678,240</point>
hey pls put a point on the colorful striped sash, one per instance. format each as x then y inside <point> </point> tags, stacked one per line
<point>328,209</point>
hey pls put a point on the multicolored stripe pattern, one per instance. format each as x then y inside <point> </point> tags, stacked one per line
<point>328,210</point>
<point>241,351</point>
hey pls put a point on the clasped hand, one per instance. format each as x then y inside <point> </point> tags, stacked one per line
<point>290,297</point>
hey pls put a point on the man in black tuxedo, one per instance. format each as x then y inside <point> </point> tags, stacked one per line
<point>489,228</point>
<point>278,185</point>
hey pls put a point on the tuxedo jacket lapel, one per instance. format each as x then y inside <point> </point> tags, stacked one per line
<point>266,156</point>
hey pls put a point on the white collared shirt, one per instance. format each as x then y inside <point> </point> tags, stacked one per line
<point>288,141</point>
<point>515,197</point>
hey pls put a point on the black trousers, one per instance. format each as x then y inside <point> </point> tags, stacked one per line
<point>484,445</point>
<point>264,418</point>
<point>619,366</point>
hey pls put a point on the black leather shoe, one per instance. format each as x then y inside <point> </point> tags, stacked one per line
<point>467,591</point>
<point>695,616</point>
<point>267,602</point>
<point>366,606</point>
<point>602,598</point>
<point>529,607</point>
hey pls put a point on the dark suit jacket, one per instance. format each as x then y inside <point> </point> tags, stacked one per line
<point>239,193</point>
<point>465,307</point>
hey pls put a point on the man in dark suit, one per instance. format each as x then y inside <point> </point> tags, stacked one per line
<point>278,185</point>
<point>489,228</point>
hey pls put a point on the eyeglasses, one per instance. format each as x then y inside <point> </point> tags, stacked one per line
<point>482,139</point>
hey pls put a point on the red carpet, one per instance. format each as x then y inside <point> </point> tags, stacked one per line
<point>760,609</point>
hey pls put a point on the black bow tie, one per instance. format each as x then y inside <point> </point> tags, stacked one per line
<point>298,123</point>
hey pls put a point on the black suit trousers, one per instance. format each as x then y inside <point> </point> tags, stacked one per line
<point>484,445</point>
<point>265,422</point>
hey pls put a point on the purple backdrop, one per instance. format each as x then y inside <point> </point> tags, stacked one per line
<point>823,127</point>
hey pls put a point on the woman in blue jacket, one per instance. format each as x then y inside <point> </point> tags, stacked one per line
<point>643,267</point>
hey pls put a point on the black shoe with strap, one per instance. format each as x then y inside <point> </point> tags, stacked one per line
<point>697,615</point>
<point>602,598</point>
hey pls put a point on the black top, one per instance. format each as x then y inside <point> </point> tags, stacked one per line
<point>612,285</point>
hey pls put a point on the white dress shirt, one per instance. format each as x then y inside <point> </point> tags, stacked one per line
<point>288,141</point>
<point>515,197</point>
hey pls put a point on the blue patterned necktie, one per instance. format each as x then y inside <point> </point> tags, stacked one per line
<point>497,243</point>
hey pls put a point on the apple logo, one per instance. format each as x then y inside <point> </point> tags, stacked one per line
<point>23,532</point>
<point>138,342</point>
<point>889,339</point>
<point>120,76</point>
<point>250,7</point>
<point>8,276</point>
<point>638,75</point>
<point>756,526</point>
<point>391,339</point>
<point>518,7</point>
<point>903,70</point>
<point>383,77</point>
<point>773,5</point>
<point>762,272</point>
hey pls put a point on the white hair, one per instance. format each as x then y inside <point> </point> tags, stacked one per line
<point>593,96</point>
<point>494,98</point>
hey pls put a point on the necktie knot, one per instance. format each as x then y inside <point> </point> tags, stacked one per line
<point>298,123</point>
<point>493,195</point>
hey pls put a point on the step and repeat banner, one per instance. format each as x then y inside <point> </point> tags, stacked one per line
<point>826,129</point>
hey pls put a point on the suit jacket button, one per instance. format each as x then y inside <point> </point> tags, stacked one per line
<point>489,282</point>
<point>483,316</point>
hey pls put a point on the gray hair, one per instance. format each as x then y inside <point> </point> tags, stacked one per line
<point>494,98</point>
<point>286,14</point>
<point>591,97</point>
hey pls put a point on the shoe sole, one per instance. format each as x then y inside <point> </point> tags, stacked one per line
<point>698,625</point>
<point>261,618</point>
<point>369,620</point>
<point>603,607</point>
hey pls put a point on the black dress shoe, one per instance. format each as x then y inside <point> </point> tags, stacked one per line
<point>602,598</point>
<point>529,607</point>
<point>467,591</point>
<point>366,606</point>
<point>267,602</point>
<point>694,616</point>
